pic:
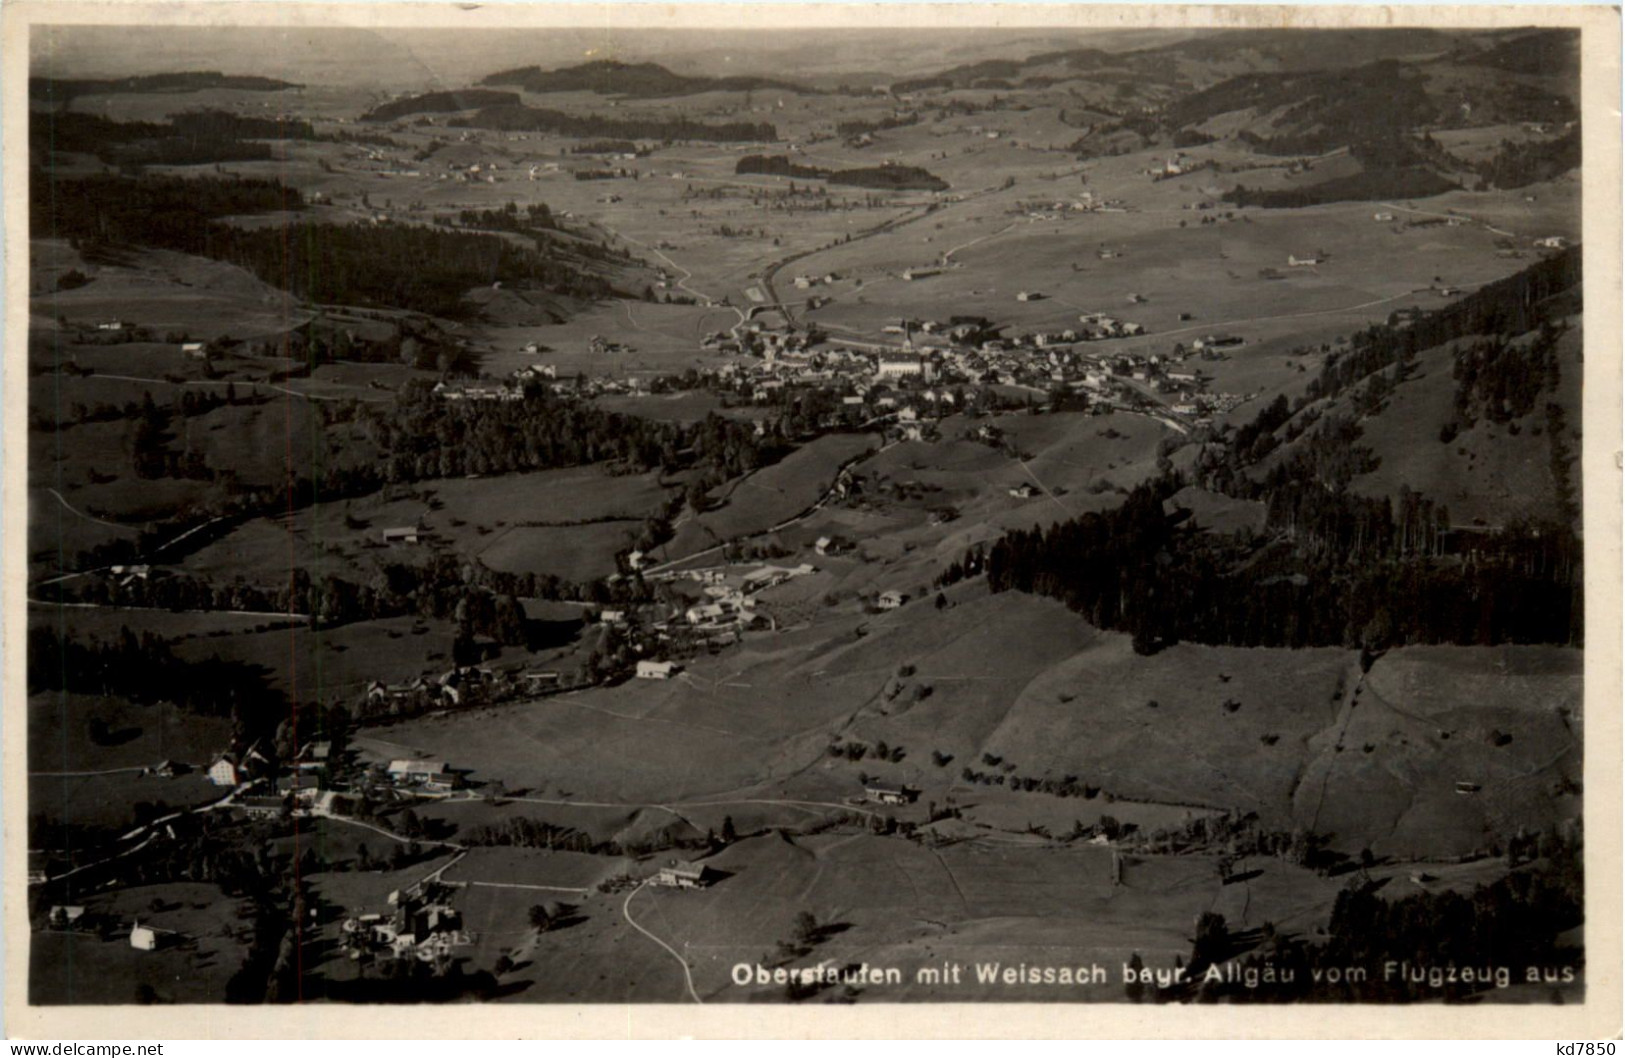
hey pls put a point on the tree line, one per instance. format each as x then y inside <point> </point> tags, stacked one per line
<point>666,129</point>
<point>396,265</point>
<point>145,670</point>
<point>427,437</point>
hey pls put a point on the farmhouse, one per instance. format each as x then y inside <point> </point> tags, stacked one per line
<point>1303,262</point>
<point>678,875</point>
<point>194,351</point>
<point>421,772</point>
<point>887,794</point>
<point>223,772</point>
<point>1552,242</point>
<point>261,804</point>
<point>1023,491</point>
<point>891,600</point>
<point>143,938</point>
<point>911,274</point>
<point>829,545</point>
<point>656,670</point>
<point>401,535</point>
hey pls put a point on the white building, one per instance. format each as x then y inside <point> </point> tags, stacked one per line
<point>656,670</point>
<point>677,875</point>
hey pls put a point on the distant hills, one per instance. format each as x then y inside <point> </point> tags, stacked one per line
<point>1208,59</point>
<point>60,90</point>
<point>645,80</point>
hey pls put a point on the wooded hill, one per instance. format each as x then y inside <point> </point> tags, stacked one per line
<point>64,89</point>
<point>425,269</point>
<point>646,80</point>
<point>884,177</point>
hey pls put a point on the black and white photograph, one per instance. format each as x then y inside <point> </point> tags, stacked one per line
<point>821,516</point>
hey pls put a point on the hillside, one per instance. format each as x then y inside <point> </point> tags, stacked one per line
<point>439,103</point>
<point>62,90</point>
<point>646,80</point>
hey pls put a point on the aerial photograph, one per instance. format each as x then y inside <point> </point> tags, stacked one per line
<point>821,516</point>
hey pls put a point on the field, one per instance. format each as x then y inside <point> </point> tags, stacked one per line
<point>1042,695</point>
<point>334,664</point>
<point>207,945</point>
<point>109,799</point>
<point>138,736</point>
<point>569,522</point>
<point>768,497</point>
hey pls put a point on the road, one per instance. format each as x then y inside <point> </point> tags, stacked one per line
<point>247,382</point>
<point>160,549</point>
<point>82,774</point>
<point>89,517</point>
<point>688,978</point>
<point>163,609</point>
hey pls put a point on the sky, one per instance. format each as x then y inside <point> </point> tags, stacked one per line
<point>423,58</point>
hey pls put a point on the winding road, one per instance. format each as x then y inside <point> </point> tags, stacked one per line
<point>688,977</point>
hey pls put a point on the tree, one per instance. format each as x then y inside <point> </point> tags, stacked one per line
<point>1212,941</point>
<point>696,496</point>
<point>1135,988</point>
<point>729,834</point>
<point>807,929</point>
<point>541,919</point>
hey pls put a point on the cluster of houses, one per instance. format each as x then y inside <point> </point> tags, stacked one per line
<point>479,391</point>
<point>450,688</point>
<point>423,925</point>
<point>262,787</point>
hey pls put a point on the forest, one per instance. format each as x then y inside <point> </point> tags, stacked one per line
<point>167,212</point>
<point>1342,571</point>
<point>1531,162</point>
<point>144,670</point>
<point>63,90</point>
<point>885,177</point>
<point>395,265</point>
<point>669,128</point>
<point>645,80</point>
<point>193,137</point>
<point>440,103</point>
<point>426,437</point>
<point>1369,185</point>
